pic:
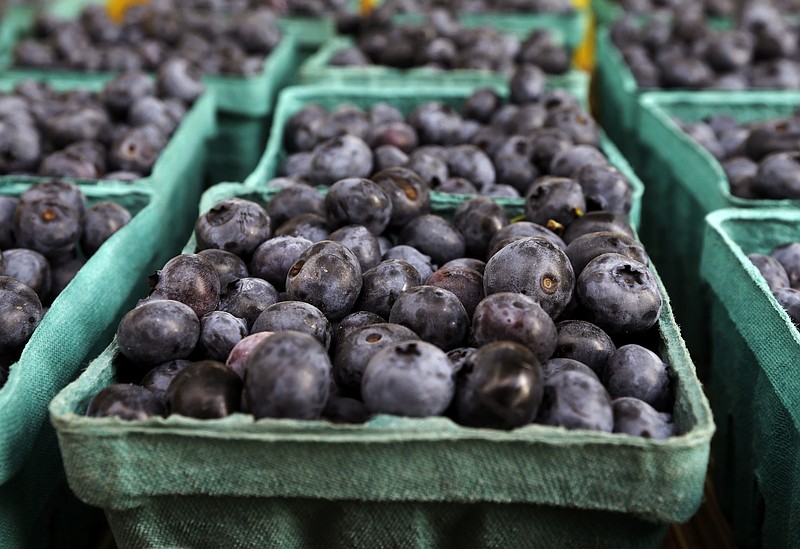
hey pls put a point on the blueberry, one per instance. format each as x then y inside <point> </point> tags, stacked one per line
<point>637,418</point>
<point>297,316</point>
<point>569,161</point>
<point>257,30</point>
<point>293,201</point>
<point>470,162</point>
<point>78,123</point>
<point>586,247</point>
<point>596,222</point>
<point>741,173</point>
<point>179,79</point>
<point>605,188</point>
<point>421,262</point>
<point>772,136</point>
<point>8,207</point>
<point>190,279</point>
<point>788,255</point>
<point>435,237</point>
<point>527,84</point>
<point>312,227</point>
<point>205,390</point>
<point>229,267</point>
<point>585,342</point>
<point>523,229</point>
<point>351,322</point>
<point>29,267</point>
<point>455,185</point>
<point>274,257</point>
<point>514,317</point>
<point>21,312</point>
<point>159,378</point>
<point>578,125</point>
<point>634,371</point>
<point>778,176</point>
<point>358,347</point>
<point>481,105</point>
<point>545,144</point>
<point>287,375</point>
<point>789,299</point>
<point>341,157</point>
<point>576,400</point>
<point>411,378</point>
<point>556,365</point>
<point>388,156</point>
<point>47,225</point>
<point>435,314</point>
<point>328,276</point>
<point>121,92</point>
<point>619,294</point>
<point>772,271</point>
<point>384,283</point>
<point>435,123</point>
<point>61,274</point>
<point>92,152</point>
<point>513,163</point>
<point>356,201</point>
<point>101,221</point>
<point>499,386</point>
<point>554,202</point>
<point>235,225</point>
<point>459,356</point>
<point>535,267</point>
<point>382,112</point>
<point>237,358</point>
<point>247,298</point>
<point>465,283</point>
<point>157,332</point>
<point>151,110</point>
<point>478,220</point>
<point>137,149</point>
<point>469,263</point>
<point>66,164</point>
<point>297,164</point>
<point>398,134</point>
<point>431,168</point>
<point>345,120</point>
<point>128,402</point>
<point>408,193</point>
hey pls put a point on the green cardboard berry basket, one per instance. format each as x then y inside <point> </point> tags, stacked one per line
<point>317,70</point>
<point>243,103</point>
<point>684,183</point>
<point>77,327</point>
<point>406,99</point>
<point>392,482</point>
<point>755,386</point>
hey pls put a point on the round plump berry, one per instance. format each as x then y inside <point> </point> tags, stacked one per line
<point>358,347</point>
<point>205,390</point>
<point>554,202</point>
<point>408,193</point>
<point>576,400</point>
<point>274,257</point>
<point>238,355</point>
<point>20,314</point>
<point>421,262</point>
<point>499,386</point>
<point>556,365</point>
<point>293,201</point>
<point>128,402</point>
<point>634,371</point>
<point>594,222</point>
<point>411,378</point>
<point>234,225</point>
<point>229,267</point>
<point>328,276</point>
<point>341,157</point>
<point>247,298</point>
<point>465,283</point>
<point>478,220</point>
<point>287,376</point>
<point>523,229</point>
<point>310,226</point>
<point>583,341</point>
<point>100,222</point>
<point>48,225</point>
<point>435,237</point>
<point>535,267</point>
<point>514,317</point>
<point>788,255</point>
<point>435,314</point>
<point>159,378</point>
<point>355,201</point>
<point>297,316</point>
<point>384,283</point>
<point>620,295</point>
<point>637,418</point>
<point>361,242</point>
<point>585,248</point>
<point>190,279</point>
<point>789,299</point>
<point>605,188</point>
<point>157,332</point>
<point>220,331</point>
<point>772,271</point>
<point>29,267</point>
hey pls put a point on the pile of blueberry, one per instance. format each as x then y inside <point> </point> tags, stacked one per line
<point>441,42</point>
<point>151,35</point>
<point>541,145</point>
<point>46,235</point>
<point>117,133</point>
<point>477,6</point>
<point>682,51</point>
<point>316,8</point>
<point>781,269</point>
<point>362,302</point>
<point>712,8</point>
<point>760,159</point>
